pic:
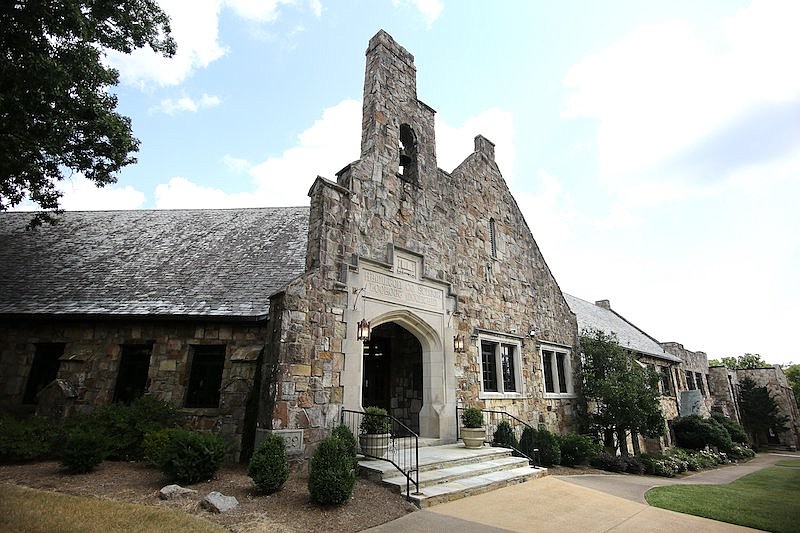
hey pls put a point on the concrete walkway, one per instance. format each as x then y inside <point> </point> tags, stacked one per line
<point>565,503</point>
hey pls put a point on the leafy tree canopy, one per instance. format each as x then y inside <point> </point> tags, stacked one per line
<point>57,116</point>
<point>625,395</point>
<point>748,360</point>
<point>758,409</point>
<point>792,373</point>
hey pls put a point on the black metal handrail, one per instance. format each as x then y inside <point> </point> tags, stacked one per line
<point>403,450</point>
<point>490,417</point>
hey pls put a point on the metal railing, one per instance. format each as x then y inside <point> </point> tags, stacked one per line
<point>491,419</point>
<point>402,450</point>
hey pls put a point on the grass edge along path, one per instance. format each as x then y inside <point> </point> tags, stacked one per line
<point>33,510</point>
<point>765,500</point>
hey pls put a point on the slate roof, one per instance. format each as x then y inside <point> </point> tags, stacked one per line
<point>182,263</point>
<point>594,317</point>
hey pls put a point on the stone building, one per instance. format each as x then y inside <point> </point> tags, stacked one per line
<point>249,318</point>
<point>693,383</point>
<point>599,316</point>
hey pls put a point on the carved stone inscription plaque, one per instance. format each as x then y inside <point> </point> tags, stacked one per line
<point>402,291</point>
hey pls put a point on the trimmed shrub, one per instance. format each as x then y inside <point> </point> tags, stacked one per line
<point>155,443</point>
<point>608,462</point>
<point>27,439</point>
<point>576,449</point>
<point>344,434</point>
<point>696,433</point>
<point>472,417</point>
<point>739,451</point>
<point>504,436</point>
<point>375,421</point>
<point>83,451</point>
<point>191,456</point>
<point>125,426</point>
<point>633,465</point>
<point>736,432</point>
<point>332,474</point>
<point>269,467</point>
<point>545,442</point>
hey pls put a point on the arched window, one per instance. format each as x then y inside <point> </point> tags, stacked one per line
<point>408,154</point>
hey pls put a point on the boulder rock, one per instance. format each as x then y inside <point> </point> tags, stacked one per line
<point>217,502</point>
<point>171,492</point>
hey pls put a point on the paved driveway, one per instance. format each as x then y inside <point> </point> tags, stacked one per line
<point>589,503</point>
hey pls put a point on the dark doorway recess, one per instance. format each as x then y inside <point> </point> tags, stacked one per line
<point>44,369</point>
<point>393,373</point>
<point>134,364</point>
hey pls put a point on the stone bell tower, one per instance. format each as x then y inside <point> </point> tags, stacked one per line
<point>397,129</point>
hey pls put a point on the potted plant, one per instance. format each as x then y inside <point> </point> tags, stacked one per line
<point>473,432</point>
<point>374,432</point>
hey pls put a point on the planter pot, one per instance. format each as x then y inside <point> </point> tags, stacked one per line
<point>374,445</point>
<point>473,437</point>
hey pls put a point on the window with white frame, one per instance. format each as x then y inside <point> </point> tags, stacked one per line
<point>500,366</point>
<point>557,371</point>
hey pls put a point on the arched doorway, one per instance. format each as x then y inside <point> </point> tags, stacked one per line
<point>392,373</point>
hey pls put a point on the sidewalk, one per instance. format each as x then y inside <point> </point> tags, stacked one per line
<point>568,503</point>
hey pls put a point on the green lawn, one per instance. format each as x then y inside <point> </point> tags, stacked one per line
<point>767,499</point>
<point>34,511</point>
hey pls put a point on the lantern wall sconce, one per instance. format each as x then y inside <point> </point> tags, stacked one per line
<point>532,332</point>
<point>363,330</point>
<point>458,343</point>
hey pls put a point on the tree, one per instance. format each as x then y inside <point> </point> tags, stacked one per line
<point>623,393</point>
<point>747,360</point>
<point>758,410</point>
<point>792,373</point>
<point>57,114</point>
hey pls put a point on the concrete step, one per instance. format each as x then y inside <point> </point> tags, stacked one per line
<point>438,476</point>
<point>470,486</point>
<point>451,471</point>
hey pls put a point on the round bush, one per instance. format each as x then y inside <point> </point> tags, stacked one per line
<point>154,444</point>
<point>344,434</point>
<point>269,467</point>
<point>192,456</point>
<point>608,462</point>
<point>504,436</point>
<point>332,474</point>
<point>736,432</point>
<point>576,449</point>
<point>83,451</point>
<point>375,422</point>
<point>472,417</point>
<point>695,432</point>
<point>26,440</point>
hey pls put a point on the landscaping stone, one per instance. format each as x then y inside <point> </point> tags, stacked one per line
<point>216,502</point>
<point>172,492</point>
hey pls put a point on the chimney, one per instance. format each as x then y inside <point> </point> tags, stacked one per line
<point>605,304</point>
<point>484,146</point>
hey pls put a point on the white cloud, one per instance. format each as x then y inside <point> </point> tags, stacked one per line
<point>258,10</point>
<point>316,7</point>
<point>80,194</point>
<point>430,9</point>
<point>171,106</point>
<point>195,28</point>
<point>665,88</point>
<point>455,143</point>
<point>323,149</point>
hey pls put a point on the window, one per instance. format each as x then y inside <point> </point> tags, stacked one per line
<point>557,372</point>
<point>699,380</point>
<point>408,154</point>
<point>44,369</point>
<point>690,380</point>
<point>666,390</point>
<point>493,236</point>
<point>134,363</point>
<point>499,366</point>
<point>205,377</point>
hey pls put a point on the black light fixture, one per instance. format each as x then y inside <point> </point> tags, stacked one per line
<point>458,343</point>
<point>363,330</point>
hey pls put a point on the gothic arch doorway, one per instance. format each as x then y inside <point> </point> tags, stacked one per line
<point>392,373</point>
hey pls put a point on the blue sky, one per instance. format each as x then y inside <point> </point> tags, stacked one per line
<point>653,147</point>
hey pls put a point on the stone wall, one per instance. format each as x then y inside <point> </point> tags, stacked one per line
<point>697,364</point>
<point>778,386</point>
<point>498,279</point>
<point>91,358</point>
<point>723,384</point>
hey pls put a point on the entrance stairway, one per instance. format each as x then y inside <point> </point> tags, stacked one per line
<point>451,471</point>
